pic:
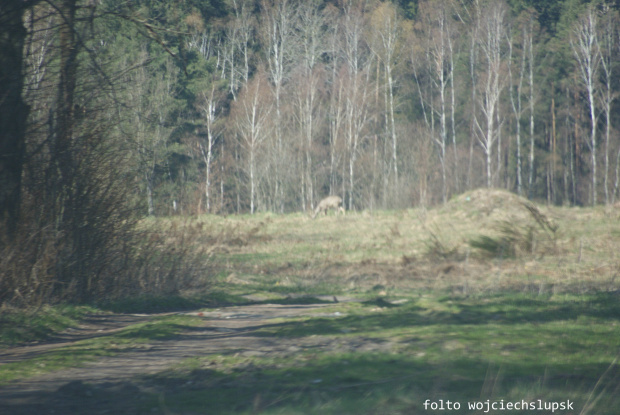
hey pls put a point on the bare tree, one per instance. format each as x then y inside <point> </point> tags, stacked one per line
<point>210,109</point>
<point>235,47</point>
<point>251,115</point>
<point>529,46</point>
<point>247,30</point>
<point>356,87</point>
<point>387,31</point>
<point>516,93</point>
<point>335,113</point>
<point>228,63</point>
<point>585,48</point>
<point>310,31</point>
<point>607,45</point>
<point>336,123</point>
<point>307,97</point>
<point>277,20</point>
<point>452,31</point>
<point>307,88</point>
<point>436,19</point>
<point>492,82</point>
<point>472,17</point>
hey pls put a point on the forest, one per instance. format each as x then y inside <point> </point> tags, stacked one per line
<point>115,110</point>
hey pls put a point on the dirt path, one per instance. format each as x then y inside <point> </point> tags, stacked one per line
<point>116,385</point>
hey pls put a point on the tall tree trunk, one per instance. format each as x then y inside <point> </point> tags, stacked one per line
<point>586,50</point>
<point>592,140</point>
<point>531,102</point>
<point>617,181</point>
<point>516,108</point>
<point>66,86</point>
<point>608,49</point>
<point>13,111</point>
<point>149,195</point>
<point>64,205</point>
<point>252,181</point>
<point>452,111</point>
<point>392,124</point>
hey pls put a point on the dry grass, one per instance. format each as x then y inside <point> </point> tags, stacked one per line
<point>555,249</point>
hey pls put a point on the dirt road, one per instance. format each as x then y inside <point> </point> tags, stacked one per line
<point>120,384</point>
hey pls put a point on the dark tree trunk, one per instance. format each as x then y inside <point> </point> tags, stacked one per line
<point>13,111</point>
<point>66,92</point>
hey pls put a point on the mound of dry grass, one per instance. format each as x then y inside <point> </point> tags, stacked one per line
<point>486,205</point>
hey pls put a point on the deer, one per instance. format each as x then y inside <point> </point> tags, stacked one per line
<point>330,202</point>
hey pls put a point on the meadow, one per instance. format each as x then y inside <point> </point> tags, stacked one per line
<point>488,301</point>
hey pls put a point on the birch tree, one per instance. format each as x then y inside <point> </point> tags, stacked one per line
<point>307,114</point>
<point>210,109</point>
<point>277,19</point>
<point>336,123</point>
<point>307,88</point>
<point>491,83</point>
<point>472,17</point>
<point>310,32</point>
<point>440,71</point>
<point>335,111</point>
<point>529,47</point>
<point>387,31</point>
<point>608,41</point>
<point>251,114</point>
<point>516,93</point>
<point>452,31</point>
<point>356,87</point>
<point>585,48</point>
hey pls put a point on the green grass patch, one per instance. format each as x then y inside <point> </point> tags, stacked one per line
<point>25,326</point>
<point>21,326</point>
<point>65,357</point>
<point>133,337</point>
<point>509,347</point>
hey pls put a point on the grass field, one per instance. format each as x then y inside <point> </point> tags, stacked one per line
<point>486,300</point>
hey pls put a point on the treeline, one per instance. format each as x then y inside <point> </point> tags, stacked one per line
<point>113,110</point>
<point>272,105</point>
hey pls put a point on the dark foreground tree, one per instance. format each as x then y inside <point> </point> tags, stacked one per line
<point>65,175</point>
<point>13,111</point>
